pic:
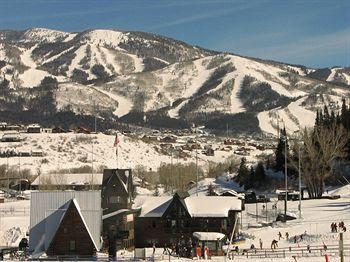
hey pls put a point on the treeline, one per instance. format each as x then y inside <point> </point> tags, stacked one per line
<point>170,176</point>
<point>259,96</point>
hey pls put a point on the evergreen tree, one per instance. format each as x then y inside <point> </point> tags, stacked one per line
<point>317,122</point>
<point>243,172</point>
<point>326,116</point>
<point>279,153</point>
<point>344,114</point>
<point>248,183</point>
<point>259,174</point>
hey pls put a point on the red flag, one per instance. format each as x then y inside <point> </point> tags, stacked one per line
<point>116,141</point>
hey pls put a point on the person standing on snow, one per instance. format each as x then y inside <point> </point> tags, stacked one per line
<point>260,243</point>
<point>199,252</point>
<point>206,253</point>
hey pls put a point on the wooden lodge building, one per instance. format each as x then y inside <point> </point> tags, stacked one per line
<point>165,220</point>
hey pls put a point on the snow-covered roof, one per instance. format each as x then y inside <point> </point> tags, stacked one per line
<point>120,211</point>
<point>212,206</point>
<point>85,224</point>
<point>47,209</point>
<point>197,206</point>
<point>154,206</point>
<point>208,236</point>
<point>68,179</point>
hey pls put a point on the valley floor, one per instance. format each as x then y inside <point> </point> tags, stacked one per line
<point>317,215</point>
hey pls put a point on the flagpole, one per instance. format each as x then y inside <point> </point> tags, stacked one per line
<point>116,144</point>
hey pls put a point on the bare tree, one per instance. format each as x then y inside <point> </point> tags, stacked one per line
<point>321,148</point>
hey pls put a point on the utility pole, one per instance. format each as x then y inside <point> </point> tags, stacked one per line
<point>171,170</point>
<point>7,170</point>
<point>92,147</point>
<point>299,171</point>
<point>341,247</point>
<point>196,164</point>
<point>92,164</point>
<point>226,130</point>
<point>285,176</point>
<point>95,116</point>
<point>19,170</point>
<point>299,167</point>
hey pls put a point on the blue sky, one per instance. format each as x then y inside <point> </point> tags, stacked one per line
<point>309,32</point>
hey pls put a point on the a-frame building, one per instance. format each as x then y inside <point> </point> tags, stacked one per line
<point>72,237</point>
<point>65,224</point>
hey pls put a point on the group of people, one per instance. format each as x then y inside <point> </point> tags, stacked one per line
<point>334,227</point>
<point>202,252</point>
<point>299,238</point>
<point>280,235</point>
<point>183,248</point>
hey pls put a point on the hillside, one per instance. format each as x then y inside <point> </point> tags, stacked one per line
<point>151,80</point>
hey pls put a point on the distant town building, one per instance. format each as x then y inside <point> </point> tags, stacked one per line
<point>59,130</point>
<point>46,130</point>
<point>34,128</point>
<point>83,130</point>
<point>67,181</point>
<point>11,137</point>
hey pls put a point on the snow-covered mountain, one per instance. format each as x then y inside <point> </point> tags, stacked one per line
<point>132,73</point>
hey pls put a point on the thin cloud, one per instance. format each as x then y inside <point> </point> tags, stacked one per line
<point>211,14</point>
<point>334,43</point>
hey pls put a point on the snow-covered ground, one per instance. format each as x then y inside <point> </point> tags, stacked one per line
<point>14,222</point>
<point>317,215</point>
<point>72,150</point>
<point>294,117</point>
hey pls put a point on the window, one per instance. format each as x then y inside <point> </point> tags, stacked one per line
<point>72,245</point>
<point>115,199</point>
<point>224,224</point>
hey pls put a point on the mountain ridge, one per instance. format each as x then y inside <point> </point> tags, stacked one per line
<point>133,73</point>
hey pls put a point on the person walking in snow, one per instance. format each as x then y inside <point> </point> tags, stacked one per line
<point>295,239</point>
<point>260,243</point>
<point>287,235</point>
<point>279,235</point>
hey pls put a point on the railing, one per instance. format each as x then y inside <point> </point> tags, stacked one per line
<point>10,211</point>
<point>304,251</point>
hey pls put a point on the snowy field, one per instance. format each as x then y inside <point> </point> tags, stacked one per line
<point>72,150</point>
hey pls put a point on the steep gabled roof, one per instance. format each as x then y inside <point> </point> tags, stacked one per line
<point>121,175</point>
<point>47,209</point>
<point>72,204</point>
<point>173,201</point>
